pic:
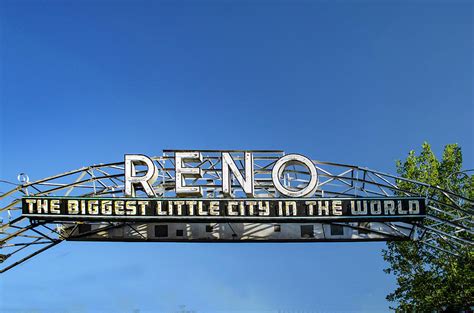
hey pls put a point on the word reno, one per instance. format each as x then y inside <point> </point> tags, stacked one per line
<point>244,177</point>
<point>159,209</point>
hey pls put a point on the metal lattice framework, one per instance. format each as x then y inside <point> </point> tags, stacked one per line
<point>448,226</point>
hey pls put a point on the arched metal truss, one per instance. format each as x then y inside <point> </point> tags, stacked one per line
<point>448,225</point>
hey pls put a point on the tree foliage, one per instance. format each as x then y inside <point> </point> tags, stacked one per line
<point>428,279</point>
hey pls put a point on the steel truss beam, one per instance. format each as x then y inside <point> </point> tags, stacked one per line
<point>448,226</point>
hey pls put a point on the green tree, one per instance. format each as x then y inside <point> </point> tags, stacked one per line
<point>428,279</point>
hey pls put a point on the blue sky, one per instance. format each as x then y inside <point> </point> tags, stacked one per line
<point>358,82</point>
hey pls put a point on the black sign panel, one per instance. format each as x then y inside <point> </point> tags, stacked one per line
<point>223,210</point>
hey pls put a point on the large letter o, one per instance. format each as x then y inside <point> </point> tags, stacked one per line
<point>292,159</point>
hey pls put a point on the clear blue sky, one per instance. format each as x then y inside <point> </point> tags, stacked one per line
<point>359,82</point>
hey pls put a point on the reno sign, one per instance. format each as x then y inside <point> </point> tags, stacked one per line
<point>241,191</point>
